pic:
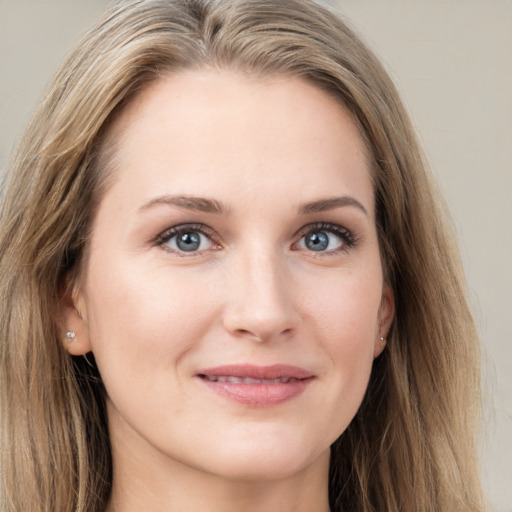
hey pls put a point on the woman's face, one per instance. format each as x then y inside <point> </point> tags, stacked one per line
<point>233,296</point>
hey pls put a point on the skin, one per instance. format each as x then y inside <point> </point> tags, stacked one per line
<point>253,293</point>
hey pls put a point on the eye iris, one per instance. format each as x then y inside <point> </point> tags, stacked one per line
<point>317,241</point>
<point>188,241</point>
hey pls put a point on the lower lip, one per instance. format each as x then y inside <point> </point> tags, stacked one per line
<point>259,395</point>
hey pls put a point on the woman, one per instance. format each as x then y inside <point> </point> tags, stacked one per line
<point>227,281</point>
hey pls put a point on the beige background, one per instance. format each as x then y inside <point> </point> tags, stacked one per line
<point>452,59</point>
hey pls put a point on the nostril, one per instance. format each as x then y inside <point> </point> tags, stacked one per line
<point>262,334</point>
<point>245,332</point>
<point>258,318</point>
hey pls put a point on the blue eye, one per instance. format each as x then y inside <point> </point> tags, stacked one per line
<point>185,239</point>
<point>320,241</point>
<point>326,238</point>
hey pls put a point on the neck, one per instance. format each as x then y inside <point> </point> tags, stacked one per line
<point>162,484</point>
<point>182,494</point>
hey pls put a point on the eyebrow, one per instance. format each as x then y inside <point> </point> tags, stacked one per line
<point>203,204</point>
<point>200,204</point>
<point>324,205</point>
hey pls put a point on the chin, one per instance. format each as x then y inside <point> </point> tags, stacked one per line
<point>267,459</point>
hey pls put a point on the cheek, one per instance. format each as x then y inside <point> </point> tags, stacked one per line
<point>346,306</point>
<point>142,316</point>
<point>345,320</point>
<point>145,326</point>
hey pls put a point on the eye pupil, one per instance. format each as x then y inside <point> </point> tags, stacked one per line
<point>317,241</point>
<point>188,241</point>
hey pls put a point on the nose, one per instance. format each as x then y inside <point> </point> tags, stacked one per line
<point>261,303</point>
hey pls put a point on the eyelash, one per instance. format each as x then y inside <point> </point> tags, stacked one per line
<point>346,236</point>
<point>181,229</point>
<point>349,240</point>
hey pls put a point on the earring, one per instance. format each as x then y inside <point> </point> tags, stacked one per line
<point>70,337</point>
<point>383,339</point>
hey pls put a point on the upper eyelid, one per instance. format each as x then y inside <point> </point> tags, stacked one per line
<point>336,228</point>
<point>171,231</point>
<point>348,237</point>
<point>212,234</point>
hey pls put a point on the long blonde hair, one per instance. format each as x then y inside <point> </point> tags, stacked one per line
<point>411,446</point>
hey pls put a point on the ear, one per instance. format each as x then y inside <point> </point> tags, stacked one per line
<point>73,317</point>
<point>385,318</point>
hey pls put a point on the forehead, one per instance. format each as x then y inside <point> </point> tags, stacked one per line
<point>211,130</point>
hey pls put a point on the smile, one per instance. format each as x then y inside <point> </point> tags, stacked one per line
<point>257,386</point>
<point>248,380</point>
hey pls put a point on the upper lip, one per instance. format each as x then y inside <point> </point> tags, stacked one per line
<point>276,371</point>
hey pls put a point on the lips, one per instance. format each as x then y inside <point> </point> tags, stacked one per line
<point>248,380</point>
<point>257,386</point>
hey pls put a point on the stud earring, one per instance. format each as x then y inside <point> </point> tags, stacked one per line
<point>383,339</point>
<point>70,337</point>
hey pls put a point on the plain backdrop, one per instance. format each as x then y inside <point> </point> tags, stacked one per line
<point>452,61</point>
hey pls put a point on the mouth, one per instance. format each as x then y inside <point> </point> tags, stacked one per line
<point>247,380</point>
<point>257,386</point>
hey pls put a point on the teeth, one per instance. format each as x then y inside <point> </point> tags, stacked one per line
<point>248,380</point>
